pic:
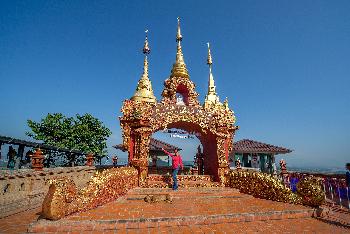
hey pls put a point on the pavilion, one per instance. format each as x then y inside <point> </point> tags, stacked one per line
<point>256,155</point>
<point>24,145</point>
<point>155,151</point>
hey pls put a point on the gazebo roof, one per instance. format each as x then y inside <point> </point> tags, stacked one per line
<point>250,146</point>
<point>155,145</point>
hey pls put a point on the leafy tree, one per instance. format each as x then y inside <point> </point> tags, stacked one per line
<point>83,133</point>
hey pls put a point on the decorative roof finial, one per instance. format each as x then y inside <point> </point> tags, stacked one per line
<point>211,98</point>
<point>178,35</point>
<point>179,67</point>
<point>146,50</point>
<point>144,91</point>
<point>209,60</point>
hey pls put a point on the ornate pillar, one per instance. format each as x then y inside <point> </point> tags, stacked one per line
<point>222,153</point>
<point>141,151</point>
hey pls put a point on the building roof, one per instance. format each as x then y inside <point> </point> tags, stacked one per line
<point>155,145</point>
<point>250,146</point>
<point>14,141</point>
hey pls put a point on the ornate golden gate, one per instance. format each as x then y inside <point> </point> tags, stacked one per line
<point>179,108</point>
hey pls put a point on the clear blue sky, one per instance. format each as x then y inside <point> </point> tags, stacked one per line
<point>284,65</point>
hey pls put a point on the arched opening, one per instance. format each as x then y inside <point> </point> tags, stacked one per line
<point>199,150</point>
<point>170,139</point>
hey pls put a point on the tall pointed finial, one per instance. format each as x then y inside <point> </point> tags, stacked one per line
<point>211,88</point>
<point>179,67</point>
<point>178,35</point>
<point>144,90</point>
<point>146,50</point>
<point>209,59</point>
<point>211,98</point>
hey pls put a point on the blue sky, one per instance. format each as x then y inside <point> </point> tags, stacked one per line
<point>284,65</point>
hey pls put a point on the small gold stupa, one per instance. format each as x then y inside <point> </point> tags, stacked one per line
<point>179,67</point>
<point>144,91</point>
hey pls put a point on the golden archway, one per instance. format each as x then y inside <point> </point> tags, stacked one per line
<point>143,115</point>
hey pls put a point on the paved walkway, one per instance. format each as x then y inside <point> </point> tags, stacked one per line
<point>208,210</point>
<point>18,223</point>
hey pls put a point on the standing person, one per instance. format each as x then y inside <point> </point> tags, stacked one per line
<point>115,160</point>
<point>348,175</point>
<point>11,158</point>
<point>177,162</point>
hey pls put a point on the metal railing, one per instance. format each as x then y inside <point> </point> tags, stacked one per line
<point>334,186</point>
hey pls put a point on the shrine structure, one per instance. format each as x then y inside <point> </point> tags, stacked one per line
<point>213,121</point>
<point>214,125</point>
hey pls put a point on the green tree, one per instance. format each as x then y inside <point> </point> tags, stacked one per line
<point>83,133</point>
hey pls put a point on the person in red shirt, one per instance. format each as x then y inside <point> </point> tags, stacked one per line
<point>177,163</point>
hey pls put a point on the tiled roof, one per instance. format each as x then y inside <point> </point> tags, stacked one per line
<point>155,145</point>
<point>15,141</point>
<point>250,146</point>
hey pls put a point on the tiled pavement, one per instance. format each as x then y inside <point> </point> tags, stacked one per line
<point>18,223</point>
<point>210,210</point>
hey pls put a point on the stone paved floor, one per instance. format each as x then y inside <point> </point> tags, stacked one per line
<point>194,202</point>
<point>18,223</point>
<point>187,214</point>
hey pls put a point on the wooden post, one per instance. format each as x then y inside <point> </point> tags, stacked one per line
<point>21,151</point>
<point>274,169</point>
<point>269,160</point>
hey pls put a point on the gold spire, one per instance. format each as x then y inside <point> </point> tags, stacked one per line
<point>144,91</point>
<point>178,35</point>
<point>211,97</point>
<point>146,49</point>
<point>209,59</point>
<point>179,67</point>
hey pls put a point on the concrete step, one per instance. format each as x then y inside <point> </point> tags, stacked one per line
<point>184,181</point>
<point>190,206</point>
<point>188,184</point>
<point>45,226</point>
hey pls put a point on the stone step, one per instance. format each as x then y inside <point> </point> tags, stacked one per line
<point>184,181</point>
<point>190,206</point>
<point>45,226</point>
<point>187,192</point>
<point>168,178</point>
<point>187,184</point>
